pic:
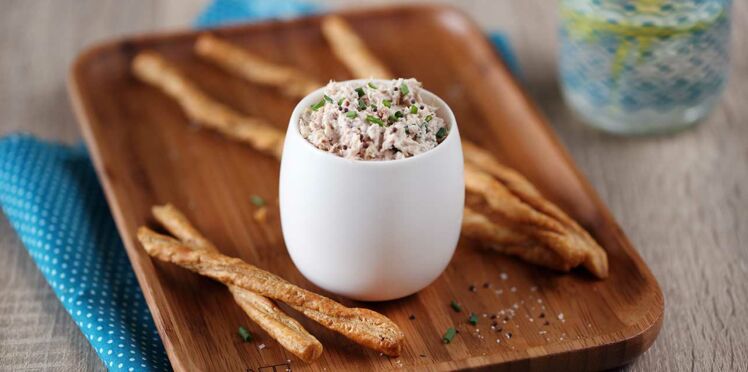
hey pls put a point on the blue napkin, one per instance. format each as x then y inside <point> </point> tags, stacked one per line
<point>51,196</point>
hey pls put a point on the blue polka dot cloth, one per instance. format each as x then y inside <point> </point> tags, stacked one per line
<point>51,196</point>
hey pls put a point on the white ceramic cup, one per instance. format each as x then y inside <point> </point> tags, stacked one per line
<point>371,230</point>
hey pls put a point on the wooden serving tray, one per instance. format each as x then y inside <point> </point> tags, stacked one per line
<point>146,152</point>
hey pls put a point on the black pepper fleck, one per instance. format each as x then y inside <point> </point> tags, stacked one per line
<point>546,323</point>
<point>412,100</point>
<point>542,315</point>
<point>471,288</point>
<point>486,285</point>
<point>422,107</point>
<point>411,317</point>
<point>509,334</point>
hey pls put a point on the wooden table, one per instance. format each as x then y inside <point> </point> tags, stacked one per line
<point>682,199</point>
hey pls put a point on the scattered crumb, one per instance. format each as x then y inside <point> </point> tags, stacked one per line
<point>503,276</point>
<point>561,317</point>
<point>498,341</point>
<point>261,215</point>
<point>472,288</point>
<point>513,289</point>
<point>542,332</point>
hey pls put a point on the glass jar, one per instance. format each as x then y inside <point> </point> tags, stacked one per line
<point>643,66</point>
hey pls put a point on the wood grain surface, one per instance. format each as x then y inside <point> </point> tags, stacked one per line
<point>680,198</point>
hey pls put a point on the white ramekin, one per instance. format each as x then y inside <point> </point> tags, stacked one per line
<point>371,230</point>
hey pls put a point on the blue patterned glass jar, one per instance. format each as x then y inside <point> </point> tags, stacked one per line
<point>643,66</point>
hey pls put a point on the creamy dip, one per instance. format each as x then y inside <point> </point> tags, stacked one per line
<point>373,120</point>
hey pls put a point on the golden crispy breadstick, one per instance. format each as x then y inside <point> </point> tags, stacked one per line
<point>530,215</point>
<point>153,69</point>
<point>363,326</point>
<point>286,330</point>
<point>291,81</point>
<point>352,51</point>
<point>506,239</point>
<point>479,227</point>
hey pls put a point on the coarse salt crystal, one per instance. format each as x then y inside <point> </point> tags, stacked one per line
<point>504,276</point>
<point>261,346</point>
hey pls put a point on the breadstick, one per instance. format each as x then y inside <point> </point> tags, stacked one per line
<point>351,50</point>
<point>289,80</point>
<point>284,329</point>
<point>363,326</point>
<point>574,245</point>
<point>151,68</point>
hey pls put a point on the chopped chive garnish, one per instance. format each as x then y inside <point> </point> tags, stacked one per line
<point>340,101</point>
<point>413,109</point>
<point>318,105</point>
<point>391,118</point>
<point>328,99</point>
<point>361,105</point>
<point>360,92</point>
<point>449,335</point>
<point>372,86</point>
<point>441,133</point>
<point>473,319</point>
<point>398,114</point>
<point>257,200</point>
<point>375,120</point>
<point>244,334</point>
<point>455,306</point>
<point>404,89</point>
<point>387,103</point>
<point>351,114</point>
<point>428,118</point>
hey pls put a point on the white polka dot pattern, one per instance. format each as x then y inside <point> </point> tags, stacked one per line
<point>50,195</point>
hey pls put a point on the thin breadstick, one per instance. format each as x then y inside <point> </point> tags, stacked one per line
<point>352,51</point>
<point>574,245</point>
<point>289,80</point>
<point>284,329</point>
<point>479,227</point>
<point>151,68</point>
<point>363,326</point>
<point>508,240</point>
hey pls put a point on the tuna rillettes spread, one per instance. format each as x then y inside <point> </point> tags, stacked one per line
<point>373,120</point>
